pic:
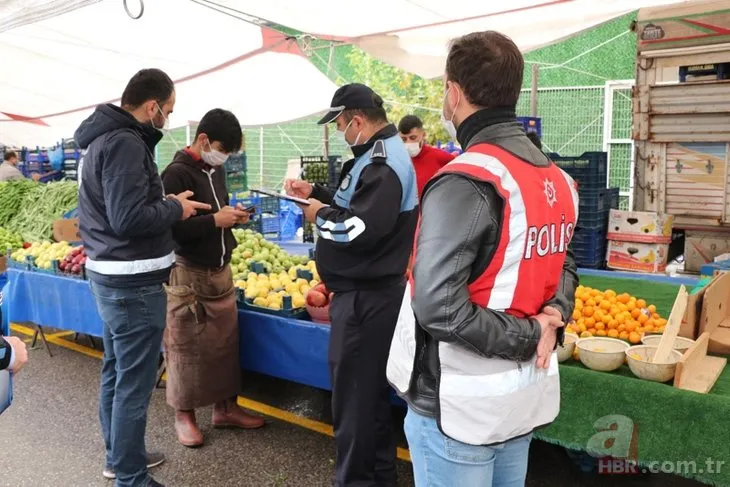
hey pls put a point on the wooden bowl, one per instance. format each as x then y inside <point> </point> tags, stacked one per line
<point>639,358</point>
<point>602,353</point>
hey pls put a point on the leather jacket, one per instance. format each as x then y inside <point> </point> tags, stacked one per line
<point>461,219</point>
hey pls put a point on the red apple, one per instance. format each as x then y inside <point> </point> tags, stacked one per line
<point>316,299</point>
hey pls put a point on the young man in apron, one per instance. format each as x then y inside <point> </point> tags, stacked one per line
<point>201,338</point>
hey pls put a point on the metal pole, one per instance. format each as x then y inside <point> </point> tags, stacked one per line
<point>261,160</point>
<point>326,140</point>
<point>533,90</point>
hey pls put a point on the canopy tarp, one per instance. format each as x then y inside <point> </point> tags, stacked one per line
<point>56,70</point>
<point>414,34</point>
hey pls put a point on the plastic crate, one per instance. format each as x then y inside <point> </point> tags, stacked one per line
<point>294,313</point>
<point>596,220</point>
<point>598,199</point>
<point>589,247</point>
<point>268,204</point>
<point>589,170</point>
<point>270,225</point>
<point>329,177</point>
<point>308,232</point>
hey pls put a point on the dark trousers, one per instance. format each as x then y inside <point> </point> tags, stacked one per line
<point>362,329</point>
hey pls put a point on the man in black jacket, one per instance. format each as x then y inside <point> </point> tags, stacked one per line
<point>365,238</point>
<point>493,284</point>
<point>126,223</point>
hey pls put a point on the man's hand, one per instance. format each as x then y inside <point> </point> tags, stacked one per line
<point>35,177</point>
<point>190,208</point>
<point>227,217</point>
<point>310,212</point>
<point>246,215</point>
<point>21,353</point>
<point>549,324</point>
<point>550,311</point>
<point>298,188</point>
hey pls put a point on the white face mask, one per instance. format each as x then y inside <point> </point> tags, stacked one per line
<point>449,124</point>
<point>165,125</point>
<point>413,148</point>
<point>341,135</point>
<point>213,157</point>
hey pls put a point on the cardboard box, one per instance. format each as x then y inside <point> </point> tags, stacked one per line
<point>637,256</point>
<point>66,230</point>
<point>639,226</point>
<point>701,248</point>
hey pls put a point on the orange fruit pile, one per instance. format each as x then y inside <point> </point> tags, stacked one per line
<point>608,314</point>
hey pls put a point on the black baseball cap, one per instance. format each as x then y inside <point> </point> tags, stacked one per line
<point>354,96</point>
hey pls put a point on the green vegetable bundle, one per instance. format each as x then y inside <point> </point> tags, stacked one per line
<point>42,205</point>
<point>12,194</point>
<point>9,240</point>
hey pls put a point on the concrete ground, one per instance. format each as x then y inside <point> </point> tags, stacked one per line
<point>50,436</point>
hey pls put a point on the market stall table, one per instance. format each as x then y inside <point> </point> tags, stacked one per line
<point>671,425</point>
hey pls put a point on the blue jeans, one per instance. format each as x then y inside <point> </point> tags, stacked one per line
<point>439,461</point>
<point>134,321</point>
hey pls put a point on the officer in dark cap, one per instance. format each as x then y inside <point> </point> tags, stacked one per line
<point>365,231</point>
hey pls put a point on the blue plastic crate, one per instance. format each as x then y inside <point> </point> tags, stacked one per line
<point>596,220</point>
<point>269,204</point>
<point>589,247</point>
<point>598,199</point>
<point>270,225</point>
<point>589,170</point>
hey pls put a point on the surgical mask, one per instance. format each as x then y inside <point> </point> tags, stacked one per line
<point>165,125</point>
<point>413,148</point>
<point>341,135</point>
<point>449,124</point>
<point>213,157</point>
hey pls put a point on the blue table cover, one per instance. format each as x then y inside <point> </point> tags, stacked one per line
<point>289,349</point>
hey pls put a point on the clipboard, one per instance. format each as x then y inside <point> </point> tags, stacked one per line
<point>286,197</point>
<point>6,390</point>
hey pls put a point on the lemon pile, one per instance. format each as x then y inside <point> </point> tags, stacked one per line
<point>44,253</point>
<point>269,290</point>
<point>608,314</point>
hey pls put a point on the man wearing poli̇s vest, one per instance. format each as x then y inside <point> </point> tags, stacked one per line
<point>492,285</point>
<point>365,239</point>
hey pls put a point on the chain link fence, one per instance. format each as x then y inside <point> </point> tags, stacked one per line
<point>574,121</point>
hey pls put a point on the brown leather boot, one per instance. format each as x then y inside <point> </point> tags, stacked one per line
<point>227,414</point>
<point>188,433</point>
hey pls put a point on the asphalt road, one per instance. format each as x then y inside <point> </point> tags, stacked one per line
<point>50,436</point>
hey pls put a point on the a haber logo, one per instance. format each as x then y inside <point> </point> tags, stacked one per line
<point>548,239</point>
<point>615,445</point>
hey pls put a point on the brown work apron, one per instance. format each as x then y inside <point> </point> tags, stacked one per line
<point>201,337</point>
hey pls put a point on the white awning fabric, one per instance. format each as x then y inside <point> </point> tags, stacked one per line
<point>56,70</point>
<point>414,34</point>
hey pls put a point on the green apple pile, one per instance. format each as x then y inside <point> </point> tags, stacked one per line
<point>253,247</point>
<point>9,240</point>
<point>317,172</point>
<point>43,253</point>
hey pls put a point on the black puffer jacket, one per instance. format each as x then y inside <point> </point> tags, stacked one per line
<point>445,313</point>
